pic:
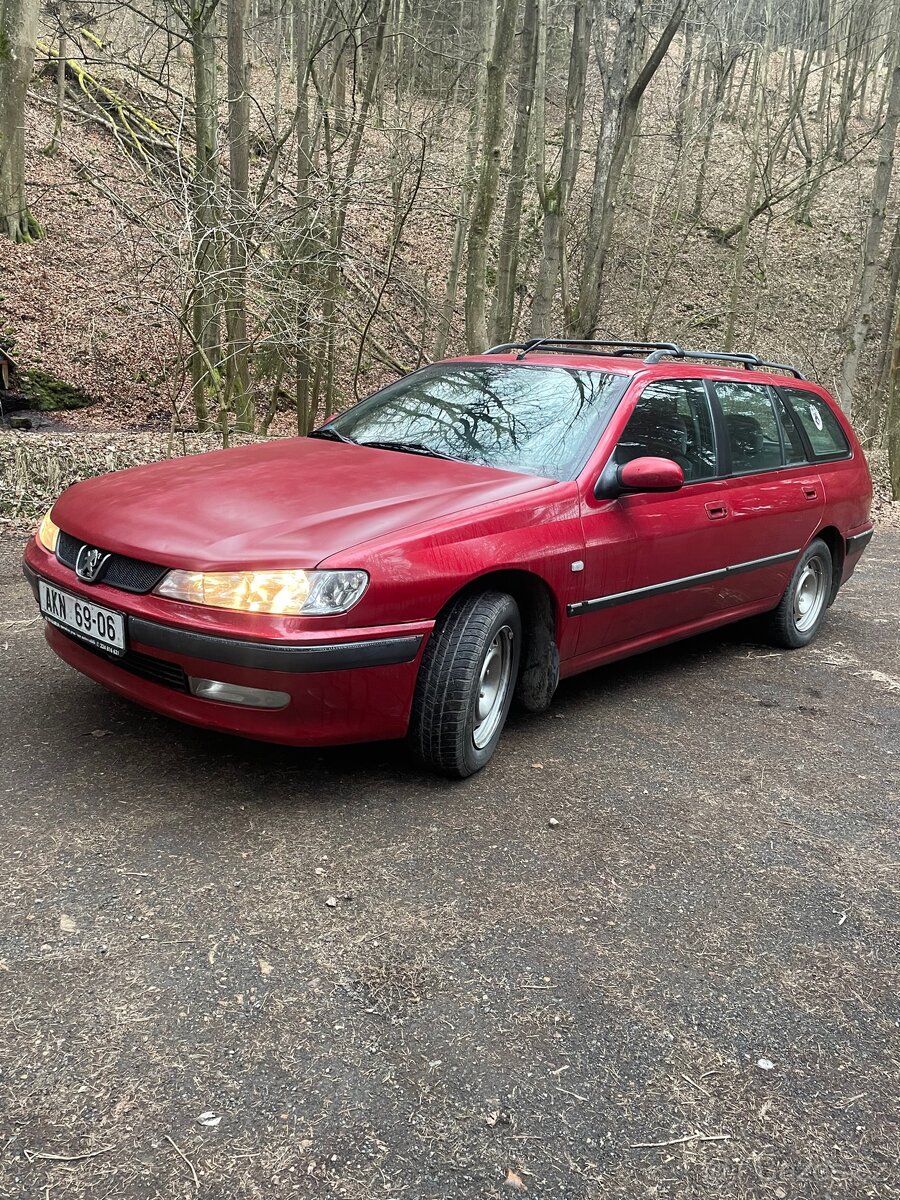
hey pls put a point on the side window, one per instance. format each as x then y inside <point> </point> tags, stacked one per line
<point>793,442</point>
<point>819,422</point>
<point>751,425</point>
<point>672,420</point>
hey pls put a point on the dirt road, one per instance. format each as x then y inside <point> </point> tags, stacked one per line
<point>385,985</point>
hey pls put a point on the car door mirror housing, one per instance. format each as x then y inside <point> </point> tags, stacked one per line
<point>640,475</point>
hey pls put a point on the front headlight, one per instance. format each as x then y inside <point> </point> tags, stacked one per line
<point>48,533</point>
<point>291,593</point>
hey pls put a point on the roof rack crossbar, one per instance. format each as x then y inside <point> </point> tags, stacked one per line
<point>589,345</point>
<point>751,362</point>
<point>777,366</point>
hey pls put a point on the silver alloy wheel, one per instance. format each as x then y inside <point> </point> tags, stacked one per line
<point>809,595</point>
<point>493,685</point>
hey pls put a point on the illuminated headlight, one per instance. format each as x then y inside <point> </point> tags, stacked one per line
<point>288,593</point>
<point>48,533</point>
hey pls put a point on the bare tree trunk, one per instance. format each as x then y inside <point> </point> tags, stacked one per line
<point>61,53</point>
<point>606,185</point>
<point>237,364</point>
<point>510,235</point>
<point>206,307</point>
<point>554,197</point>
<point>468,183</point>
<point>278,51</point>
<point>857,31</point>
<point>684,88</point>
<point>893,416</point>
<point>18,31</point>
<point>340,85</point>
<point>488,177</point>
<point>880,187</point>
<point>300,37</point>
<point>339,207</point>
<point>717,80</point>
<point>887,328</point>
<point>757,95</point>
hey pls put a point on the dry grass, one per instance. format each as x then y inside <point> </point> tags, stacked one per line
<point>35,468</point>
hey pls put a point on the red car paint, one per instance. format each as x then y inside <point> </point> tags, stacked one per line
<point>424,529</point>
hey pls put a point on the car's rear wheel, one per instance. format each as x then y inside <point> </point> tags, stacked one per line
<point>466,683</point>
<point>799,615</point>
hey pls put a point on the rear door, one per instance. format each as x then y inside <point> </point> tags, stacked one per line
<point>773,495</point>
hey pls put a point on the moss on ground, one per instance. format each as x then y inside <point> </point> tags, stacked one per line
<point>37,389</point>
<point>44,392</point>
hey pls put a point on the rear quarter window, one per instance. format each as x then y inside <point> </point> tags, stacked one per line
<point>818,421</point>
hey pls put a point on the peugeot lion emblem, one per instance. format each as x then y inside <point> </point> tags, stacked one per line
<point>90,563</point>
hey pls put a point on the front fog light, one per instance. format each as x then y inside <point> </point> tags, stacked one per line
<point>237,693</point>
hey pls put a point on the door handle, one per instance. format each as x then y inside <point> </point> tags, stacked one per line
<point>717,511</point>
<point>810,491</point>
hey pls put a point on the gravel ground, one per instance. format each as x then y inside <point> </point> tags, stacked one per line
<point>687,988</point>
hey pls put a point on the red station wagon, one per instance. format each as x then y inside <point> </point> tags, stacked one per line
<point>466,536</point>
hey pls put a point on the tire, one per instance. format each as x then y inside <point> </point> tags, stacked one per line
<point>801,610</point>
<point>456,721</point>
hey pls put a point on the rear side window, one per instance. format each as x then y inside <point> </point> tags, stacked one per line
<point>672,420</point>
<point>751,426</point>
<point>793,442</point>
<point>819,423</point>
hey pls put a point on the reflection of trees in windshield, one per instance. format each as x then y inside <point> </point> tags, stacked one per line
<point>542,420</point>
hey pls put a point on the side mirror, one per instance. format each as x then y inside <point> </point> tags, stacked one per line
<point>639,475</point>
<point>651,475</point>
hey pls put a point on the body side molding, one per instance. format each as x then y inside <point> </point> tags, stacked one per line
<point>676,585</point>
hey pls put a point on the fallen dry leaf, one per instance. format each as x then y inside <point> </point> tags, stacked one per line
<point>265,968</point>
<point>514,1181</point>
<point>67,925</point>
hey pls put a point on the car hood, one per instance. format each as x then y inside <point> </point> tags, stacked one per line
<point>286,503</point>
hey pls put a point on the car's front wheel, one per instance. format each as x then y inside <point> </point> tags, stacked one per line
<point>799,615</point>
<point>466,683</point>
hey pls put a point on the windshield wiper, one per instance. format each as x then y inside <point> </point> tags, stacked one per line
<point>409,448</point>
<point>332,434</point>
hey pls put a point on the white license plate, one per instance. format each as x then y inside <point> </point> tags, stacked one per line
<point>100,626</point>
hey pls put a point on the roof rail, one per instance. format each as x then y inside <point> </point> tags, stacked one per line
<point>586,346</point>
<point>750,361</point>
<point>786,367</point>
<point>658,351</point>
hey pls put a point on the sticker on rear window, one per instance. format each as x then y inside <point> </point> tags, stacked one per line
<point>816,417</point>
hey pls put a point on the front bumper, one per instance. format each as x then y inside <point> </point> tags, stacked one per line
<point>347,685</point>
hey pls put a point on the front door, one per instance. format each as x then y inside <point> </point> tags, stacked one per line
<point>653,561</point>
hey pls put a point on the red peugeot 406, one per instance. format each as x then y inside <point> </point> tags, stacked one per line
<point>462,538</point>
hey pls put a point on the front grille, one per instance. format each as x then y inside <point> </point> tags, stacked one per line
<point>155,670</point>
<point>127,574</point>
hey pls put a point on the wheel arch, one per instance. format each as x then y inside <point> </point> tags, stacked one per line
<point>834,540</point>
<point>541,614</point>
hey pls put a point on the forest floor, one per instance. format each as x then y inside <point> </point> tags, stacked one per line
<point>687,988</point>
<point>96,300</point>
<point>92,300</point>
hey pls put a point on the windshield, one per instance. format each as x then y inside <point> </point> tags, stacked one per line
<point>535,419</point>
